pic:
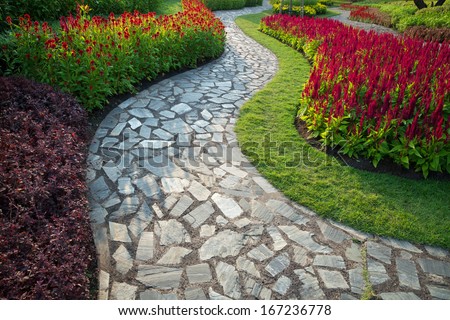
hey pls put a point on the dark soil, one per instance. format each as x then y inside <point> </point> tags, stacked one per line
<point>384,166</point>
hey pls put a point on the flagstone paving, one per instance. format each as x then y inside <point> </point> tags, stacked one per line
<point>179,213</point>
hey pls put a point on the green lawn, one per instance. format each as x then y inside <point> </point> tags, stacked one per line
<point>169,7</point>
<point>418,211</point>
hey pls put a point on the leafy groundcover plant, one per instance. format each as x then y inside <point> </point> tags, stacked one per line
<point>96,57</point>
<point>374,96</point>
<point>46,245</point>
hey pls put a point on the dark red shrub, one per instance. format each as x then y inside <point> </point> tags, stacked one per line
<point>428,34</point>
<point>46,245</point>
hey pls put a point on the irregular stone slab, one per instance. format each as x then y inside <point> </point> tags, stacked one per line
<point>264,184</point>
<point>228,278</point>
<point>147,185</point>
<point>230,182</point>
<point>207,230</point>
<point>241,223</point>
<point>228,206</point>
<point>377,272</point>
<point>401,244</point>
<point>98,214</point>
<point>155,144</point>
<point>206,115</point>
<point>157,211</point>
<point>199,215</point>
<point>310,289</point>
<point>357,282</point>
<point>265,294</point>
<point>103,290</point>
<point>171,232</point>
<point>176,126</point>
<point>182,205</point>
<point>286,211</point>
<point>112,171</point>
<point>407,274</point>
<point>243,264</point>
<point>134,123</point>
<point>333,279</point>
<point>145,132</point>
<point>174,256</point>
<point>191,97</point>
<point>199,191</point>
<point>278,241</point>
<point>146,247</point>
<point>129,205</point>
<point>194,294</point>
<point>437,252</point>
<point>282,285</point>
<point>354,253</point>
<point>172,185</point>
<point>304,239</point>
<point>102,245</point>
<point>379,251</point>
<point>162,166</point>
<point>278,265</point>
<point>123,259</point>
<point>435,267</point>
<point>331,233</point>
<point>260,253</point>
<point>216,296</point>
<point>141,113</point>
<point>155,295</point>
<point>225,243</point>
<point>336,262</point>
<point>163,135</point>
<point>199,273</point>
<point>159,277</point>
<point>301,256</point>
<point>233,170</point>
<point>125,187</point>
<point>119,232</point>
<point>99,189</point>
<point>123,291</point>
<point>399,296</point>
<point>118,129</point>
<point>181,108</point>
<point>261,212</point>
<point>439,292</point>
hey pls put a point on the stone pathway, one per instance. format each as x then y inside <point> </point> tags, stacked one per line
<point>179,213</point>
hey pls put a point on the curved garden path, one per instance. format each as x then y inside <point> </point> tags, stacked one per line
<point>179,213</point>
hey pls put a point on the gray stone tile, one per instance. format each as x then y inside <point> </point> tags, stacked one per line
<point>200,192</point>
<point>243,264</point>
<point>282,285</point>
<point>147,185</point>
<point>265,294</point>
<point>134,123</point>
<point>112,171</point>
<point>141,113</point>
<point>335,262</point>
<point>174,256</point>
<point>332,234</point>
<point>181,108</point>
<point>286,211</point>
<point>145,132</point>
<point>233,170</point>
<point>128,206</point>
<point>399,296</point>
<point>377,272</point>
<point>439,292</point>
<point>103,290</point>
<point>260,253</point>
<point>333,279</point>
<point>379,251</point>
<point>304,239</point>
<point>228,278</point>
<point>146,247</point>
<point>199,215</point>
<point>357,283</point>
<point>171,185</point>
<point>123,291</point>
<point>278,241</point>
<point>151,294</point>
<point>400,244</point>
<point>182,205</point>
<point>162,134</point>
<point>123,259</point>
<point>310,288</point>
<point>171,232</point>
<point>264,184</point>
<point>119,232</point>
<point>301,256</point>
<point>437,252</point>
<point>407,274</point>
<point>353,253</point>
<point>125,187</point>
<point>99,189</point>
<point>216,296</point>
<point>199,273</point>
<point>261,212</point>
<point>159,277</point>
<point>228,206</point>
<point>194,294</point>
<point>176,126</point>
<point>278,265</point>
<point>225,243</point>
<point>435,267</point>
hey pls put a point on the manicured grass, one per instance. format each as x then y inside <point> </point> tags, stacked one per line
<point>382,204</point>
<point>169,7</point>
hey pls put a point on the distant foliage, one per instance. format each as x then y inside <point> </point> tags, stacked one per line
<point>428,34</point>
<point>54,9</point>
<point>224,4</point>
<point>370,15</point>
<point>46,245</point>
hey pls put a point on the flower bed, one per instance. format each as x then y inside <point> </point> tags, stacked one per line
<point>375,96</point>
<point>95,57</point>
<point>370,15</point>
<point>46,245</point>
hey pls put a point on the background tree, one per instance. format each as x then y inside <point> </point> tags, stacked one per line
<point>422,5</point>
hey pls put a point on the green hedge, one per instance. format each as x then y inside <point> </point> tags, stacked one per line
<point>231,4</point>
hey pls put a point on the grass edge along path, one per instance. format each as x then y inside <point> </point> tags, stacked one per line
<point>381,204</point>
